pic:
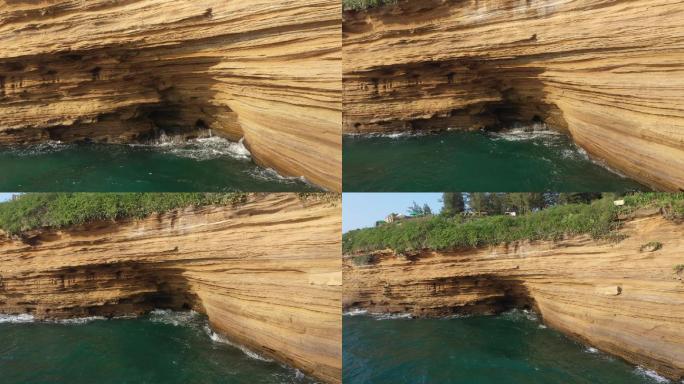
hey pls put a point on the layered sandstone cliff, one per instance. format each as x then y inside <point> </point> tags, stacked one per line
<point>609,73</point>
<point>624,298</point>
<point>118,71</point>
<point>266,273</point>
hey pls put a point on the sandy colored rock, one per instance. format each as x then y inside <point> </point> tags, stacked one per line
<point>608,73</point>
<point>117,71</point>
<point>266,273</point>
<point>608,295</point>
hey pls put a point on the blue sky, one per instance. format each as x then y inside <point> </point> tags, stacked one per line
<point>5,196</point>
<point>361,210</point>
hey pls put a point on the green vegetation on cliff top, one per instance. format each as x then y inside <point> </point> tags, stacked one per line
<point>56,210</point>
<point>357,5</point>
<point>598,219</point>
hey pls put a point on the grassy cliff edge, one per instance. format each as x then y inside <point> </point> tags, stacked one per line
<point>56,210</point>
<point>598,219</point>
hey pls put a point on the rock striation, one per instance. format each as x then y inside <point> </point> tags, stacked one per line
<point>120,71</point>
<point>623,298</point>
<point>266,273</point>
<point>608,73</point>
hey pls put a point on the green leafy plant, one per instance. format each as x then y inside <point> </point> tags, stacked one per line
<point>672,204</point>
<point>357,5</point>
<point>651,246</point>
<point>361,260</point>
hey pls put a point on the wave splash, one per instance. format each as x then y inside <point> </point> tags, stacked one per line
<point>16,319</point>
<point>204,148</point>
<point>175,318</point>
<point>355,312</point>
<point>215,337</point>
<point>651,375</point>
<point>45,148</point>
<point>270,174</point>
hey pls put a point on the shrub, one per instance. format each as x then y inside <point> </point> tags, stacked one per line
<point>361,260</point>
<point>598,219</point>
<point>671,203</point>
<point>651,246</point>
<point>36,210</point>
<point>357,5</point>
<point>679,268</point>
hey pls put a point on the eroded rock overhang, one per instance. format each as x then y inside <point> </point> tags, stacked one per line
<point>118,71</point>
<point>266,273</point>
<point>607,73</point>
<point>622,297</point>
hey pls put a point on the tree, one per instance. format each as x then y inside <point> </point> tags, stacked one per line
<point>524,202</point>
<point>490,203</point>
<point>415,210</point>
<point>579,197</point>
<point>477,201</point>
<point>453,203</point>
<point>426,210</point>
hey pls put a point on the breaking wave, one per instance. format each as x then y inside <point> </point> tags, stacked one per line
<point>377,315</point>
<point>520,314</point>
<point>175,318</point>
<point>23,318</point>
<point>652,375</point>
<point>527,133</point>
<point>215,337</point>
<point>392,316</point>
<point>205,148</point>
<point>270,174</point>
<point>39,149</point>
<point>27,318</point>
<point>355,312</point>
<point>390,135</point>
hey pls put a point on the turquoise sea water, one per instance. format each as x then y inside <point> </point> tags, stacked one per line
<point>514,161</point>
<point>201,165</point>
<point>162,348</point>
<point>511,348</point>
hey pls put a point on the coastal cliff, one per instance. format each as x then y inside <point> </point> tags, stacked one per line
<point>607,73</point>
<point>266,273</point>
<point>623,296</point>
<point>121,71</point>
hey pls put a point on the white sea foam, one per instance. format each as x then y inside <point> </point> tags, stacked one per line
<point>526,134</point>
<point>205,148</point>
<point>27,318</point>
<point>355,312</point>
<point>591,350</point>
<point>270,174</point>
<point>175,318</point>
<point>599,162</point>
<point>78,320</point>
<point>215,337</point>
<point>299,375</point>
<point>518,314</point>
<point>643,372</point>
<point>22,318</point>
<point>392,316</point>
<point>389,135</point>
<point>39,149</point>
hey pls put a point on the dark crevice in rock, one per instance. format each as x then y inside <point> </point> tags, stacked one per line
<point>142,286</point>
<point>174,96</point>
<point>501,96</point>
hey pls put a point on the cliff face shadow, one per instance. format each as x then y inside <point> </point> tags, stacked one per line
<point>110,290</point>
<point>148,91</point>
<point>482,94</point>
<point>449,296</point>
